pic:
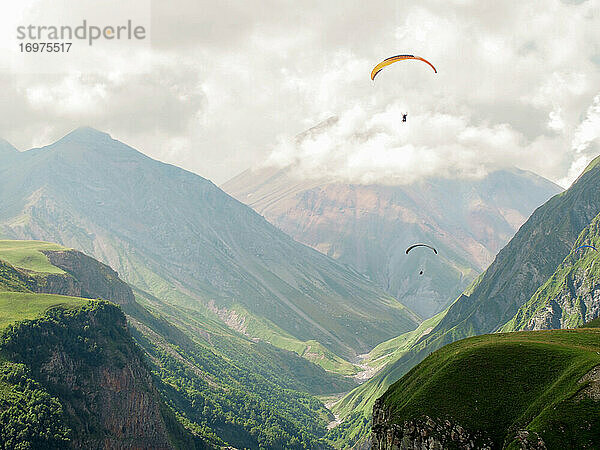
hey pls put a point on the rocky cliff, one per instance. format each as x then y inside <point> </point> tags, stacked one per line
<point>571,296</point>
<point>81,276</point>
<point>86,359</point>
<point>421,433</point>
<point>87,278</point>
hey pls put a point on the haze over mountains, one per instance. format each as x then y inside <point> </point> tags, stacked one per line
<point>235,315</point>
<point>369,227</point>
<point>179,237</point>
<point>239,318</point>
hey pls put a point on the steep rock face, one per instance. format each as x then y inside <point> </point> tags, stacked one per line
<point>87,360</point>
<point>424,433</point>
<point>92,278</point>
<point>85,277</point>
<point>576,303</point>
<point>592,385</point>
<point>571,296</point>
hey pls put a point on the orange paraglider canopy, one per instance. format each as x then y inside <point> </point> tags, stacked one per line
<point>393,59</point>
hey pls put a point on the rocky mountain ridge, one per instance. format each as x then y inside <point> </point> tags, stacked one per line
<point>177,236</point>
<point>571,296</point>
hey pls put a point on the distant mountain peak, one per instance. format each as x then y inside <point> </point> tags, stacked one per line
<point>349,221</point>
<point>85,134</point>
<point>88,140</point>
<point>318,128</point>
<point>6,148</point>
<point>593,163</point>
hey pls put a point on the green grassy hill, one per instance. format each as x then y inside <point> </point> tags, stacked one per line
<point>592,324</point>
<point>28,255</point>
<point>496,385</point>
<point>18,302</point>
<point>18,306</point>
<point>14,280</point>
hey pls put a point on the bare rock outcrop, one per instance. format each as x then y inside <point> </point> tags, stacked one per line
<point>423,433</point>
<point>87,359</point>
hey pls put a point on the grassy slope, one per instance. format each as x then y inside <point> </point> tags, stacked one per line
<point>593,324</point>
<point>28,255</point>
<point>13,280</point>
<point>391,350</point>
<point>363,397</point>
<point>203,329</point>
<point>578,274</point>
<point>311,350</point>
<point>501,382</point>
<point>16,303</point>
<point>17,306</point>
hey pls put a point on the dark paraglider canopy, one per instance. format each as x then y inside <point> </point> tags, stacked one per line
<point>586,246</point>
<point>421,245</point>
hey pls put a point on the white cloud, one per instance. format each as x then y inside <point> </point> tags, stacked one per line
<point>585,136</point>
<point>365,146</point>
<point>225,85</point>
<point>589,130</point>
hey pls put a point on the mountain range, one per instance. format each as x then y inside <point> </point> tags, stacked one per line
<point>369,227</point>
<point>177,236</point>
<point>246,332</point>
<point>241,325</point>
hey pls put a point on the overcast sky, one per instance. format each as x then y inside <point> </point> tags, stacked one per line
<point>223,86</point>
